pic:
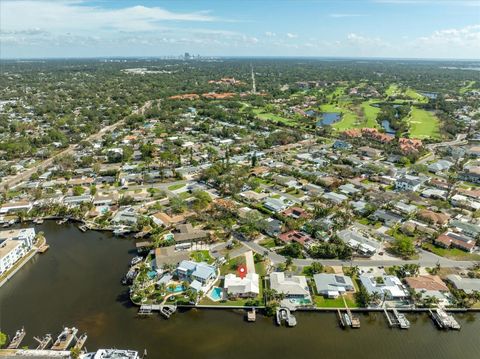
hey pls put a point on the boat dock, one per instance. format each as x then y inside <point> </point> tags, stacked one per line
<point>352,320</point>
<point>44,342</point>
<point>164,309</point>
<point>444,320</point>
<point>285,315</point>
<point>80,342</point>
<point>396,319</point>
<point>340,318</point>
<point>17,339</point>
<point>65,339</point>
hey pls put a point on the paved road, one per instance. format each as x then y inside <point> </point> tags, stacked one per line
<point>426,259</point>
<point>25,175</point>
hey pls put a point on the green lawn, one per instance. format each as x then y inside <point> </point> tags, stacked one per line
<point>232,265</point>
<point>267,242</point>
<point>261,269</point>
<point>414,95</point>
<point>392,90</point>
<point>423,124</point>
<point>370,112</point>
<point>267,116</point>
<point>201,256</point>
<point>453,253</point>
<point>174,187</point>
<point>322,302</point>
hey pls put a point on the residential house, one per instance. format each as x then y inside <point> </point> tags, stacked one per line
<point>295,236</point>
<point>358,242</point>
<point>292,286</point>
<point>276,204</point>
<point>16,207</point>
<point>429,286</point>
<point>246,287</point>
<point>408,183</point>
<point>186,233</point>
<point>469,229</point>
<point>468,285</point>
<point>450,239</point>
<point>333,285</point>
<point>190,271</point>
<point>387,286</point>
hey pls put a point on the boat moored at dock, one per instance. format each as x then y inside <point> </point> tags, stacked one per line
<point>17,339</point>
<point>65,339</point>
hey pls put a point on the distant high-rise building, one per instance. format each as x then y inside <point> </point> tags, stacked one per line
<point>186,56</point>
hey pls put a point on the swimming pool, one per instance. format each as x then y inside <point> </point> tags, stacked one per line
<point>177,289</point>
<point>216,294</point>
<point>152,274</point>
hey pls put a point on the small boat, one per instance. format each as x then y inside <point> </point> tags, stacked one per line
<point>62,221</point>
<point>38,220</point>
<point>65,339</point>
<point>17,339</point>
<point>83,228</point>
<point>348,321</point>
<point>6,225</point>
<point>136,260</point>
<point>120,231</point>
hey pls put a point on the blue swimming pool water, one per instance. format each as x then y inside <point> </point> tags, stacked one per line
<point>152,274</point>
<point>178,288</point>
<point>216,293</point>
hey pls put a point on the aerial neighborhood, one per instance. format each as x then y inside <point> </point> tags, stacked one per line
<point>324,194</point>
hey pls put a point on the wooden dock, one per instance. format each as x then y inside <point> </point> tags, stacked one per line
<point>80,342</point>
<point>354,319</point>
<point>17,339</point>
<point>340,318</point>
<point>444,320</point>
<point>164,309</point>
<point>44,342</point>
<point>65,339</point>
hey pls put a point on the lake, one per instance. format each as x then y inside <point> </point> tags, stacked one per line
<point>77,283</point>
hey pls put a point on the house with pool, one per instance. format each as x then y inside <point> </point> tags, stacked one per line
<point>294,287</point>
<point>200,275</point>
<point>246,287</point>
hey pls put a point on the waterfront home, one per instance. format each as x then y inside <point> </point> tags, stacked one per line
<point>186,233</point>
<point>293,286</point>
<point>332,285</point>
<point>429,286</point>
<point>246,287</point>
<point>169,255</point>
<point>388,287</point>
<point>73,201</point>
<point>126,215</point>
<point>468,285</point>
<point>14,244</point>
<point>450,239</point>
<point>166,220</point>
<point>190,271</point>
<point>358,242</point>
<point>16,207</point>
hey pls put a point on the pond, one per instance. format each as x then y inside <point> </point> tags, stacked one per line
<point>388,129</point>
<point>329,118</point>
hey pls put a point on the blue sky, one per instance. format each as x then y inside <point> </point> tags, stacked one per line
<point>341,28</point>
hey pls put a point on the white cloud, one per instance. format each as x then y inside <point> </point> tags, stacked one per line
<point>73,16</point>
<point>468,36</point>
<point>291,36</point>
<point>359,40</point>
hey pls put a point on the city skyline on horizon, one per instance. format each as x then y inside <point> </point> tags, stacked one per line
<point>390,29</point>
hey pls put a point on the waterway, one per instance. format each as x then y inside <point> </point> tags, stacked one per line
<point>77,282</point>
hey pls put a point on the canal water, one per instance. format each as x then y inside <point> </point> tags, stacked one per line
<point>77,283</point>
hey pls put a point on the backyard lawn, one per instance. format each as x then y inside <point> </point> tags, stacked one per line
<point>201,256</point>
<point>423,124</point>
<point>322,302</point>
